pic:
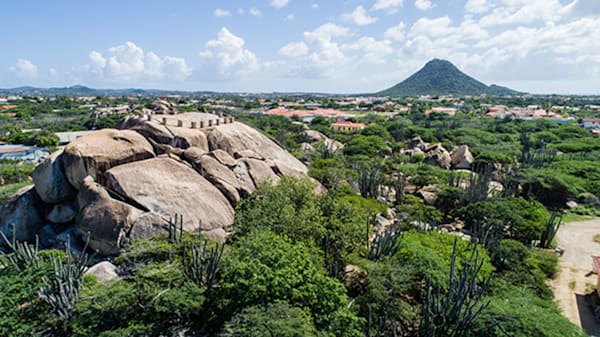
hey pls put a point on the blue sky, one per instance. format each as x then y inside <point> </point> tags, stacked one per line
<point>352,46</point>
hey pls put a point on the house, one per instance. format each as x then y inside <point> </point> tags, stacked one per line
<point>591,123</point>
<point>347,126</point>
<point>23,153</point>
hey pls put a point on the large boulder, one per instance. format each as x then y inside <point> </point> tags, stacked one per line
<point>462,157</point>
<point>20,213</point>
<point>50,181</point>
<point>93,154</point>
<point>155,131</point>
<point>102,220</point>
<point>167,187</point>
<point>331,145</point>
<point>237,137</point>
<point>437,155</point>
<point>259,171</point>
<point>219,175</point>
<point>62,213</point>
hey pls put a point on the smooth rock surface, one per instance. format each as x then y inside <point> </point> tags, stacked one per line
<point>50,181</point>
<point>93,154</point>
<point>21,212</point>
<point>62,213</point>
<point>103,271</point>
<point>103,220</point>
<point>167,187</point>
<point>237,137</point>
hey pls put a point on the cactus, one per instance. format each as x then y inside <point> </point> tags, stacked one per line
<point>201,263</point>
<point>61,289</point>
<point>176,229</point>
<point>384,244</point>
<point>487,234</point>
<point>22,254</point>
<point>550,230</point>
<point>370,178</point>
<point>453,314</point>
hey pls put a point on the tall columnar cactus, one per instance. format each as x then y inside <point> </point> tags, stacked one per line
<point>550,230</point>
<point>176,229</point>
<point>22,255</point>
<point>453,314</point>
<point>61,289</point>
<point>202,263</point>
<point>384,244</point>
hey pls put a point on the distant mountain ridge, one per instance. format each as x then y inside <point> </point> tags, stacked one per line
<point>80,90</point>
<point>441,77</point>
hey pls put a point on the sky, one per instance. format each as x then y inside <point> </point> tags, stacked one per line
<point>346,46</point>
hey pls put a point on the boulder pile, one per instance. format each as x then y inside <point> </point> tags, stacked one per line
<point>115,185</point>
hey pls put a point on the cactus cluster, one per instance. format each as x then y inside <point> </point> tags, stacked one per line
<point>384,244</point>
<point>21,256</point>
<point>550,230</point>
<point>453,314</point>
<point>202,263</point>
<point>61,289</point>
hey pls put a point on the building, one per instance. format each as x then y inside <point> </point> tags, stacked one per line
<point>347,126</point>
<point>591,123</point>
<point>23,153</point>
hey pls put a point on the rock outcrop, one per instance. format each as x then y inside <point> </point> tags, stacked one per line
<point>102,220</point>
<point>50,181</point>
<point>462,158</point>
<point>97,152</point>
<point>166,187</point>
<point>20,214</point>
<point>113,186</point>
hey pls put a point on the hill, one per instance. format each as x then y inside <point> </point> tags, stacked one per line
<point>440,77</point>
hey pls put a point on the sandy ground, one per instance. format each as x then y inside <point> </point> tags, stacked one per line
<point>575,277</point>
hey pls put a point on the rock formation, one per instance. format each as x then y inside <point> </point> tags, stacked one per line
<point>115,185</point>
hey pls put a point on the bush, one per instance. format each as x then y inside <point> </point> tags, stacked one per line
<point>267,268</point>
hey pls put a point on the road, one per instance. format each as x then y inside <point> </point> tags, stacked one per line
<point>575,277</point>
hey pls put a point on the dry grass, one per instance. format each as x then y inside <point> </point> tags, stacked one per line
<point>596,238</point>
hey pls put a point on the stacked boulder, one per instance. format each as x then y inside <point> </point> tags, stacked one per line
<point>436,154</point>
<point>115,185</point>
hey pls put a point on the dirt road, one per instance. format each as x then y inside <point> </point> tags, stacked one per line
<point>575,278</point>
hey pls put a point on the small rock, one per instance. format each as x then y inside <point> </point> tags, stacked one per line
<point>103,271</point>
<point>572,204</point>
<point>62,213</point>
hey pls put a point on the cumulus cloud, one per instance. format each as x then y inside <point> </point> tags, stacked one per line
<point>294,49</point>
<point>128,62</point>
<point>477,6</point>
<point>359,17</point>
<point>24,70</point>
<point>279,3</point>
<point>221,13</point>
<point>314,6</point>
<point>395,32</point>
<point>373,51</point>
<point>508,12</point>
<point>390,6</point>
<point>228,55</point>
<point>423,4</point>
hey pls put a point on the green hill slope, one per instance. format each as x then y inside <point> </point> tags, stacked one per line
<point>440,77</point>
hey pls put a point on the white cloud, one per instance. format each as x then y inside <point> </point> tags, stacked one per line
<point>319,55</point>
<point>359,17</point>
<point>255,12</point>
<point>373,51</point>
<point>294,49</point>
<point>128,62</point>
<point>221,13</point>
<point>290,17</point>
<point>523,12</point>
<point>390,6</point>
<point>314,6</point>
<point>395,32</point>
<point>326,31</point>
<point>477,6</point>
<point>24,70</point>
<point>279,3</point>
<point>424,4</point>
<point>228,54</point>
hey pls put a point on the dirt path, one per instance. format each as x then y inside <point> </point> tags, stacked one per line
<point>575,278</point>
